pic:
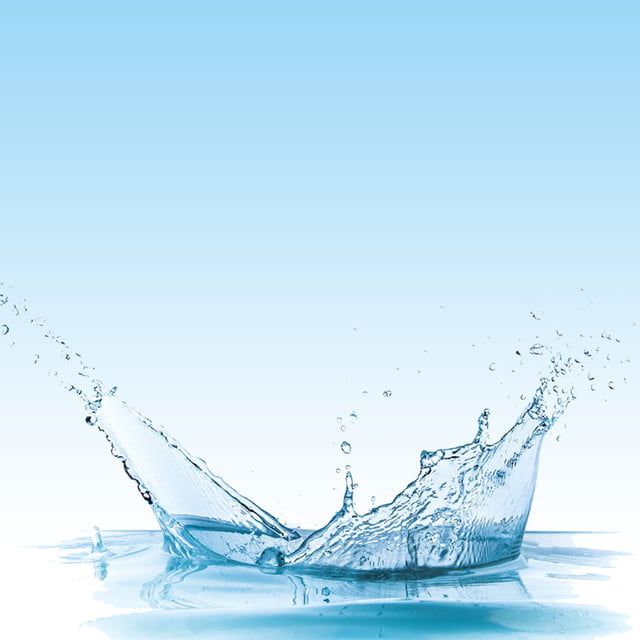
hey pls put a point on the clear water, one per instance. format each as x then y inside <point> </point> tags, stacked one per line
<point>446,554</point>
<point>540,593</point>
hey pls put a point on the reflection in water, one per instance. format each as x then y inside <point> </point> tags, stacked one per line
<point>539,593</point>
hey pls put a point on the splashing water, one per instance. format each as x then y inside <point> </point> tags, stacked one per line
<point>468,505</point>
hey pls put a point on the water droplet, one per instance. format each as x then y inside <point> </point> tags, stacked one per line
<point>345,446</point>
<point>387,393</point>
<point>271,557</point>
<point>326,591</point>
<point>492,366</point>
<point>536,349</point>
<point>611,385</point>
<point>97,544</point>
<point>91,419</point>
<point>4,329</point>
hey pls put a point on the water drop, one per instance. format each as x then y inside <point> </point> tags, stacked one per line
<point>4,329</point>
<point>536,349</point>
<point>97,544</point>
<point>387,393</point>
<point>346,447</point>
<point>347,503</point>
<point>492,366</point>
<point>271,557</point>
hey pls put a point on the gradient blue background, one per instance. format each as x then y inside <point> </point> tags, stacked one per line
<point>206,198</point>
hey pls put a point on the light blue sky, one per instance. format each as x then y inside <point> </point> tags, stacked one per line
<point>207,197</point>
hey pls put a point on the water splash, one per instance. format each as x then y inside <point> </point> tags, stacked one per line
<point>468,505</point>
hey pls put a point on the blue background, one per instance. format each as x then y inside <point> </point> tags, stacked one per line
<point>206,198</point>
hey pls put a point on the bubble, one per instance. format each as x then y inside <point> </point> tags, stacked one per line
<point>338,469</point>
<point>559,333</point>
<point>346,447</point>
<point>353,415</point>
<point>343,427</point>
<point>271,557</point>
<point>523,396</point>
<point>387,393</point>
<point>4,329</point>
<point>326,591</point>
<point>536,316</point>
<point>536,349</point>
<point>492,366</point>
<point>590,376</point>
<point>364,392</point>
<point>3,299</point>
<point>91,419</point>
<point>611,385</point>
